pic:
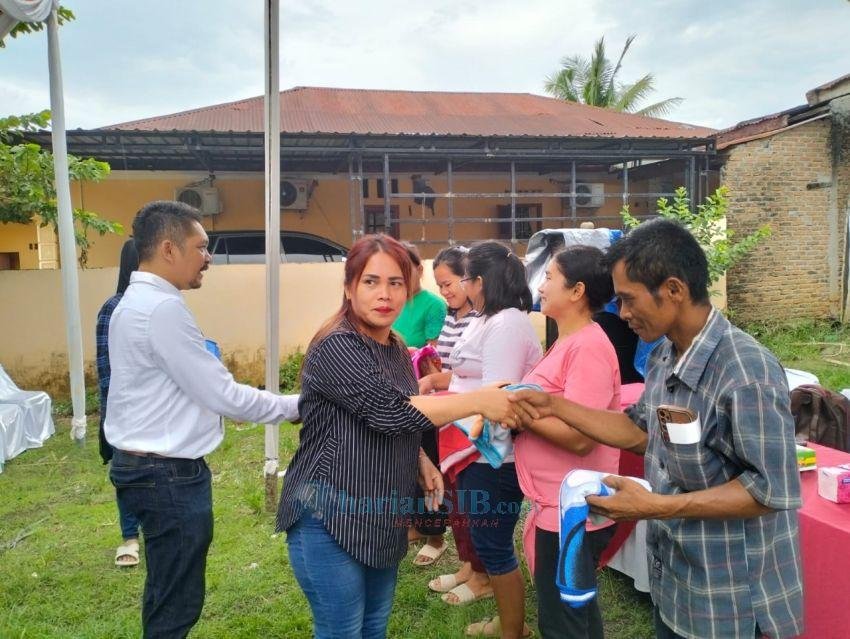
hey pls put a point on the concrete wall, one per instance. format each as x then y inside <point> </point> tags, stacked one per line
<point>230,308</point>
<point>788,181</point>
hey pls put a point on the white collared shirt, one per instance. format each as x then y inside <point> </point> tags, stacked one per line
<point>167,391</point>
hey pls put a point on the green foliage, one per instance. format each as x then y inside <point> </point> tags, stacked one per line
<point>821,347</point>
<point>290,373</point>
<point>706,224</point>
<point>63,15</point>
<point>62,407</point>
<point>594,82</point>
<point>27,188</point>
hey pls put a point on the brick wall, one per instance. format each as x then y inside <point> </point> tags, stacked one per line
<point>771,181</point>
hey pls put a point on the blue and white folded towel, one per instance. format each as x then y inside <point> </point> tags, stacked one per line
<point>576,574</point>
<point>493,441</point>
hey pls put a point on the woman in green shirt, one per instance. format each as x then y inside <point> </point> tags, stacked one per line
<point>422,318</point>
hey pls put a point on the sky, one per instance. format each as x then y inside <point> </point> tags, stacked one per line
<point>730,60</point>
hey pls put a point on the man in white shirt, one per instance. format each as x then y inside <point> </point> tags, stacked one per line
<point>166,396</point>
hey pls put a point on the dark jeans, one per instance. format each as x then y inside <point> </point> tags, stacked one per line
<point>349,600</point>
<point>126,520</point>
<point>172,499</point>
<point>493,500</point>
<point>556,618</point>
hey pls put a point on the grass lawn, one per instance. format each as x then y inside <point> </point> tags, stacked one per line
<point>59,531</point>
<point>819,347</point>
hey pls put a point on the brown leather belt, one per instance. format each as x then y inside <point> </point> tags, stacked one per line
<point>136,453</point>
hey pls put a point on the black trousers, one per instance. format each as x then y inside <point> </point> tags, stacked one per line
<point>555,618</point>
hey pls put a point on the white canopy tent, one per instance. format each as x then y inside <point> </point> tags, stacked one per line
<point>13,12</point>
<point>33,11</point>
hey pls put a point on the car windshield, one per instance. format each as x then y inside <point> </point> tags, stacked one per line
<point>250,248</point>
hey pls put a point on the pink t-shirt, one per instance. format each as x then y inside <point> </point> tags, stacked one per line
<point>582,368</point>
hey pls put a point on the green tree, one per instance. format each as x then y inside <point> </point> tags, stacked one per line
<point>707,226</point>
<point>594,82</point>
<point>63,15</point>
<point>27,189</point>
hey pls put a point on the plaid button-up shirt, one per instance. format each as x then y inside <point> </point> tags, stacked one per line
<point>724,578</point>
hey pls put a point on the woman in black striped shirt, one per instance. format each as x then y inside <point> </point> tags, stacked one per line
<point>348,495</point>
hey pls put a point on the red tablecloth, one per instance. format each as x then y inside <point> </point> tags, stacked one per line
<point>825,542</point>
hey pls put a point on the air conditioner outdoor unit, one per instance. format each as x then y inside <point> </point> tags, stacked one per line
<point>203,198</point>
<point>589,195</point>
<point>294,194</point>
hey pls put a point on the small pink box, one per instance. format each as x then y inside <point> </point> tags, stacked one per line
<point>834,483</point>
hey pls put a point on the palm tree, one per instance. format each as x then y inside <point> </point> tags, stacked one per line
<point>594,82</point>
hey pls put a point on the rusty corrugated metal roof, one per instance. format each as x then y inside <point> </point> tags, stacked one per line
<point>378,112</point>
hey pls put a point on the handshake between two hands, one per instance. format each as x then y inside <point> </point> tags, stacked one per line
<point>514,409</point>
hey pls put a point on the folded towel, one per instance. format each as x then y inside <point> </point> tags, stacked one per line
<point>576,574</point>
<point>492,440</point>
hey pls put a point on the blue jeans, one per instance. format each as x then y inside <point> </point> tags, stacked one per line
<point>126,520</point>
<point>349,600</point>
<point>494,501</point>
<point>172,499</point>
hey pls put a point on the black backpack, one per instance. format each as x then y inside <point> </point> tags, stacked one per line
<point>821,416</point>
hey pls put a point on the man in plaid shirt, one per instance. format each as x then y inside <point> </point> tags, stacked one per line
<point>722,532</point>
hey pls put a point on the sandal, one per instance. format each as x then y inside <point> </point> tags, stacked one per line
<point>465,595</point>
<point>493,628</point>
<point>428,554</point>
<point>127,554</point>
<point>444,583</point>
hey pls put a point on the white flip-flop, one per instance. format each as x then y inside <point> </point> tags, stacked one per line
<point>127,554</point>
<point>465,595</point>
<point>444,583</point>
<point>431,553</point>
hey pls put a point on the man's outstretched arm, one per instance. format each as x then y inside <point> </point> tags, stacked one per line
<point>609,427</point>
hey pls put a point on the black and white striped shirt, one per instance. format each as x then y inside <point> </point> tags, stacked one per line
<point>452,330</point>
<point>357,459</point>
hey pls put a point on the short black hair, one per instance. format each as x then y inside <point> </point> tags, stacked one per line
<point>585,264</point>
<point>659,249</point>
<point>454,257</point>
<point>503,274</point>
<point>163,219</point>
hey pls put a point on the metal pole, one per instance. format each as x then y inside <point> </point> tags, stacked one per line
<point>450,184</point>
<point>387,221</point>
<point>573,191</point>
<point>353,184</point>
<point>67,242</point>
<point>513,203</point>
<point>272,161</point>
<point>692,194</point>
<point>361,204</point>
<point>625,183</point>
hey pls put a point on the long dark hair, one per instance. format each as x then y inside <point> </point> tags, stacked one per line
<point>129,263</point>
<point>503,275</point>
<point>355,262</point>
<point>585,264</point>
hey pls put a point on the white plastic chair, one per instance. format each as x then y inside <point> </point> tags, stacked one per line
<point>36,407</point>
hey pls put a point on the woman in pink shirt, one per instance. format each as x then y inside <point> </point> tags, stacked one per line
<point>582,366</point>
